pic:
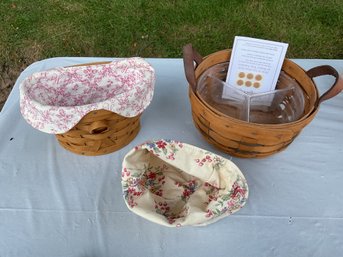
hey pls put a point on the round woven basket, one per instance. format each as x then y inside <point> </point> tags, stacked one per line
<point>243,139</point>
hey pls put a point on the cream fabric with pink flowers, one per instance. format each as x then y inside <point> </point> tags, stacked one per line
<point>176,184</point>
<point>54,101</point>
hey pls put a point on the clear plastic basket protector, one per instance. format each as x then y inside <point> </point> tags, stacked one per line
<point>285,104</point>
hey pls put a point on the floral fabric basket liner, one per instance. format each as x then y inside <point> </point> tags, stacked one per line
<point>53,101</point>
<point>176,184</point>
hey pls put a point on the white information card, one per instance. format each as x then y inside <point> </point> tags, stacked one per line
<point>255,65</point>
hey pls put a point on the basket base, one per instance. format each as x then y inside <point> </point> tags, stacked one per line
<point>237,152</point>
<point>238,144</point>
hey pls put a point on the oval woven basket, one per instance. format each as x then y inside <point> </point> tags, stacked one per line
<point>243,139</point>
<point>100,132</point>
<point>92,108</point>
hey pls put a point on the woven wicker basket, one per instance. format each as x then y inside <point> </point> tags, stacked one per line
<point>92,110</point>
<point>100,132</point>
<point>243,139</point>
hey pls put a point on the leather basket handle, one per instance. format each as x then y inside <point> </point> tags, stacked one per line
<point>335,89</point>
<point>190,55</point>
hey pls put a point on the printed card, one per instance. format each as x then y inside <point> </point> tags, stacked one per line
<point>255,65</point>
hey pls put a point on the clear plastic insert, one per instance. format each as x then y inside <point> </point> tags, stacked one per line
<point>285,104</point>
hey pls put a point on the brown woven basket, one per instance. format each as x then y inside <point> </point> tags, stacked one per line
<point>100,132</point>
<point>243,139</point>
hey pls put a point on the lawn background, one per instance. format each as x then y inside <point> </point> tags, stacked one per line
<point>34,30</point>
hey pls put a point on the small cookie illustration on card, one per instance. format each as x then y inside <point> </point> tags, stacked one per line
<point>249,79</point>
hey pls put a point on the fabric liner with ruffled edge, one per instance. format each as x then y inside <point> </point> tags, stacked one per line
<point>39,110</point>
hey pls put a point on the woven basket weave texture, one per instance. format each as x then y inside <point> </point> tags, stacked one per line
<point>243,139</point>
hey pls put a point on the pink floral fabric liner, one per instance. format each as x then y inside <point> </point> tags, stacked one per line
<point>54,101</point>
<point>176,184</point>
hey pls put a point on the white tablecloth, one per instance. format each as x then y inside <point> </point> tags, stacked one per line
<point>56,203</point>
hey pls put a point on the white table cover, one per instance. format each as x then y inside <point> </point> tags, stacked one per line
<point>56,203</point>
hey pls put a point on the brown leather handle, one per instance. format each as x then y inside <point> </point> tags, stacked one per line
<point>190,55</point>
<point>335,89</point>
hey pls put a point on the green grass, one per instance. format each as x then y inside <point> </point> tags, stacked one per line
<point>32,30</point>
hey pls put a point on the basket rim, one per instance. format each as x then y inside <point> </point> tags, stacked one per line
<point>305,118</point>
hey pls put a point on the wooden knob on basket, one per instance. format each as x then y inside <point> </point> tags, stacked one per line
<point>98,127</point>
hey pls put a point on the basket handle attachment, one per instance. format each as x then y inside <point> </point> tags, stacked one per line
<point>337,86</point>
<point>190,55</point>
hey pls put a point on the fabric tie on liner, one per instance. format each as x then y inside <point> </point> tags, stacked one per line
<point>176,184</point>
<point>55,100</point>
